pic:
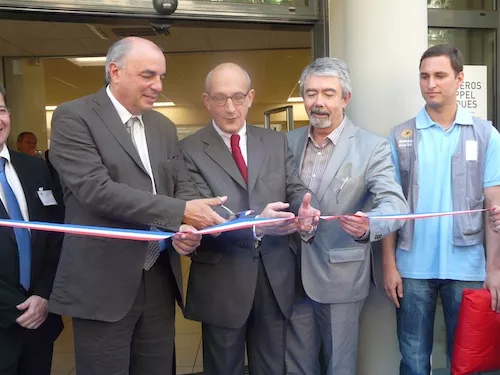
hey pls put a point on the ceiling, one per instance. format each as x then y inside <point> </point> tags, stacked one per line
<point>273,58</point>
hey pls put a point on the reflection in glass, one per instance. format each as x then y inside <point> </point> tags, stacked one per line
<point>462,4</point>
<point>268,2</point>
<point>477,47</point>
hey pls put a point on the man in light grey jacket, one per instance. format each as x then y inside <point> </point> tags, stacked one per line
<point>351,172</point>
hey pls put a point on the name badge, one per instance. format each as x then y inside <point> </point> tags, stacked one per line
<point>46,197</point>
<point>471,150</point>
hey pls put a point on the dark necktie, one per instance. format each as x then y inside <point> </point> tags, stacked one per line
<point>23,238</point>
<point>238,157</point>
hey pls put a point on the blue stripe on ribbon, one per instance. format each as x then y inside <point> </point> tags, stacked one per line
<point>67,227</point>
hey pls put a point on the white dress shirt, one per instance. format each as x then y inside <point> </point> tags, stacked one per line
<point>14,183</point>
<point>138,133</point>
<point>226,137</point>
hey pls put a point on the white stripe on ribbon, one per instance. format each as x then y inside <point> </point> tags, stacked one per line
<point>239,224</point>
<point>408,216</point>
<point>126,234</point>
<point>145,235</point>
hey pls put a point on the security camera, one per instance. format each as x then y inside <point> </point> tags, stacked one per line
<point>165,7</point>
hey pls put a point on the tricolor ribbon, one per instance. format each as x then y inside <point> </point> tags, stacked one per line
<point>240,223</point>
<point>408,216</point>
<point>132,234</point>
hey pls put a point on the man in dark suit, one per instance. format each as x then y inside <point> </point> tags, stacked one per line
<point>26,143</point>
<point>119,166</point>
<point>241,284</point>
<point>28,261</point>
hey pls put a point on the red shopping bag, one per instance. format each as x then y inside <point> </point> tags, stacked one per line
<point>477,338</point>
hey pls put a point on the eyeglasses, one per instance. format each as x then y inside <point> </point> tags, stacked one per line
<point>4,111</point>
<point>221,100</point>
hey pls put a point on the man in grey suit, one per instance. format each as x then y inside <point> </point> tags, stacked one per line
<point>119,164</point>
<point>241,283</point>
<point>350,171</point>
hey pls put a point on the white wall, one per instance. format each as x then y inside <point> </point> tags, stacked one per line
<point>381,41</point>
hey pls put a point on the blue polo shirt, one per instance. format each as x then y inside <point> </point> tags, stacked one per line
<point>433,255</point>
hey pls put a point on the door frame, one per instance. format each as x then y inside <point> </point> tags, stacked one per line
<point>225,10</point>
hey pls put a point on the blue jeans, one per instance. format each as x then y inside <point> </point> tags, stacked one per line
<point>415,319</point>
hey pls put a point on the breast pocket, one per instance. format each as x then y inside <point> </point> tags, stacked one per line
<point>168,175</point>
<point>168,164</point>
<point>274,184</point>
<point>350,254</point>
<point>343,187</point>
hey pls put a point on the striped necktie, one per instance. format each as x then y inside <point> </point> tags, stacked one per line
<point>153,246</point>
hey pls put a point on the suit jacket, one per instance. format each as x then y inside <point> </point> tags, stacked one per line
<point>223,273</point>
<point>105,184</point>
<point>56,184</point>
<point>335,268</point>
<point>45,247</point>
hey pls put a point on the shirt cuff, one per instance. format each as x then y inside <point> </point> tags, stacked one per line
<point>364,237</point>
<point>255,237</point>
<point>307,237</point>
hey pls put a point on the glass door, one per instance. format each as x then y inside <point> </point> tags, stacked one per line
<point>288,125</point>
<point>478,48</point>
<point>470,25</point>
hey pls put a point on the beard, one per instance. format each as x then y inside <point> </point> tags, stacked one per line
<point>319,123</point>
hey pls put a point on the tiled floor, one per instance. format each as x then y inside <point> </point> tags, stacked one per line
<point>187,343</point>
<point>189,349</point>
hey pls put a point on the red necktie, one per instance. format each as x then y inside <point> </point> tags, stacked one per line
<point>238,157</point>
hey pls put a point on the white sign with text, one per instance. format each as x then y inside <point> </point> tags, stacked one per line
<point>472,94</point>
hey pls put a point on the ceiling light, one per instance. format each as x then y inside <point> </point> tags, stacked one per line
<point>164,104</point>
<point>88,61</point>
<point>50,107</point>
<point>295,99</point>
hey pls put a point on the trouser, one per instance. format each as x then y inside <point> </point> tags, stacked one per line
<point>141,343</point>
<point>29,352</point>
<point>263,333</point>
<point>415,319</point>
<point>323,338</point>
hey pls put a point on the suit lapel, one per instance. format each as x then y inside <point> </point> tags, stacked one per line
<point>300,147</point>
<point>29,187</point>
<point>5,215</point>
<point>338,156</point>
<point>217,150</point>
<point>255,156</point>
<point>107,112</point>
<point>153,139</point>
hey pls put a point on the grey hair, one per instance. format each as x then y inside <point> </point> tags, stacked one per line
<point>117,54</point>
<point>328,67</point>
<point>208,79</point>
<point>2,91</point>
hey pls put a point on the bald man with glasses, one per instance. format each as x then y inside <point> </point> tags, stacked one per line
<point>241,283</point>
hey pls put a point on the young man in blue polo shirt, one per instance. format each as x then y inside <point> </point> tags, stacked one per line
<point>445,160</point>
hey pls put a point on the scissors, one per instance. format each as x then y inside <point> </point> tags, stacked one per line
<point>237,215</point>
